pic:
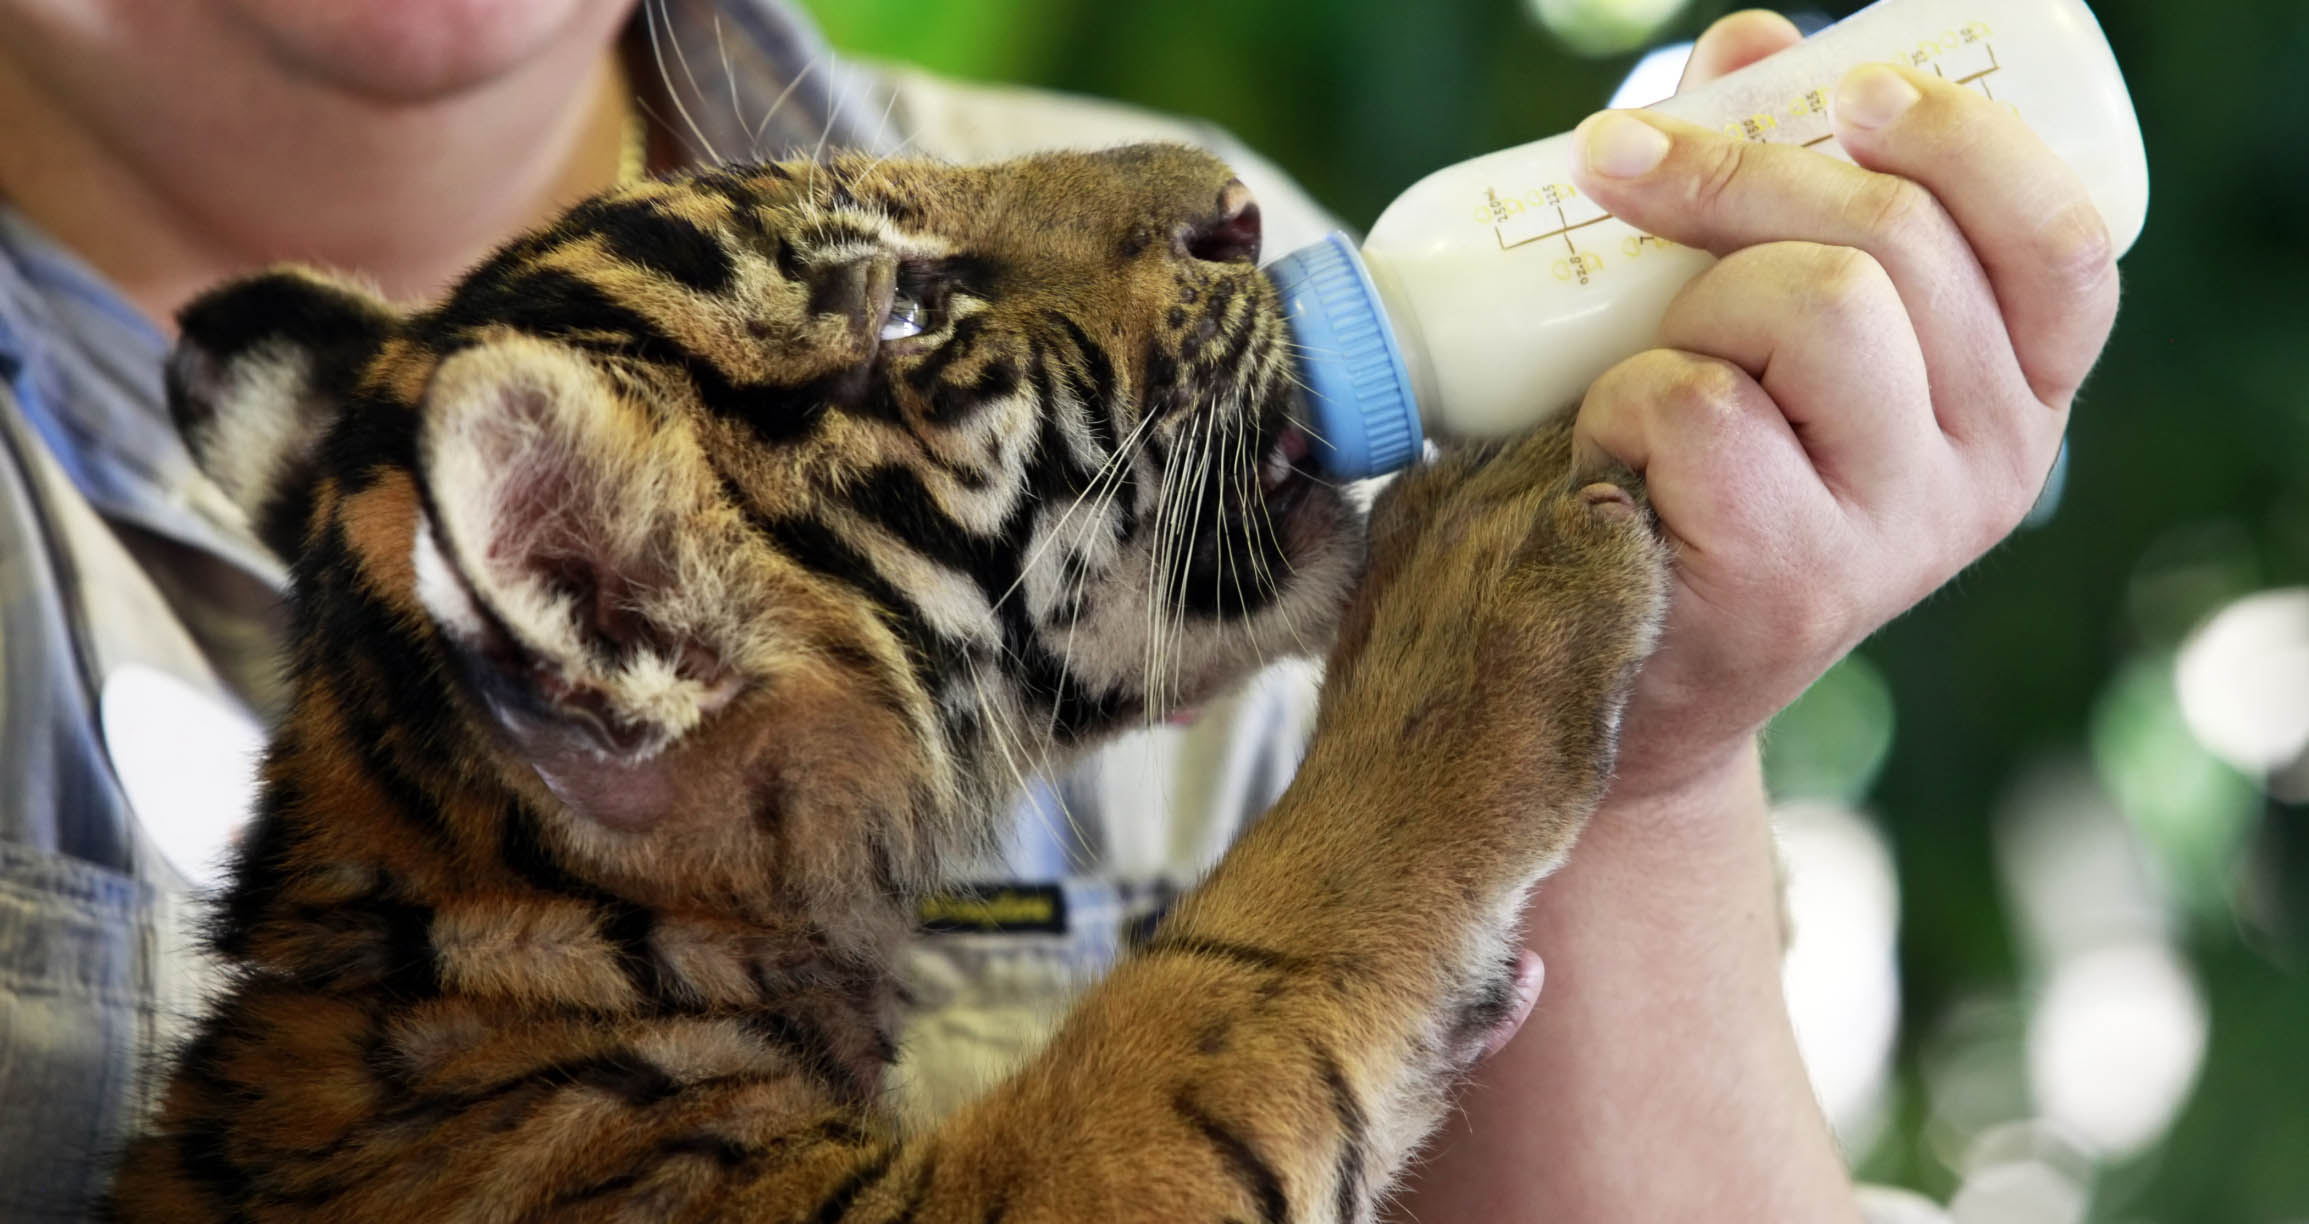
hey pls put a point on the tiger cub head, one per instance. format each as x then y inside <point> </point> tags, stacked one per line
<point>879,480</point>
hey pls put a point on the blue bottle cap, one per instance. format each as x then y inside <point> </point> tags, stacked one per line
<point>1362,415</point>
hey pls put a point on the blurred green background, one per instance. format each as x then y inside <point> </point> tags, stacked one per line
<point>2103,901</point>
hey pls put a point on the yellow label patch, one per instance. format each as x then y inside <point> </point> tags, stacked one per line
<point>987,909</point>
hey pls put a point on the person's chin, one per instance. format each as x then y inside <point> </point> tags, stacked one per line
<point>416,51</point>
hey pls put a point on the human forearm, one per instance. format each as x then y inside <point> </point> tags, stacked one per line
<point>1658,1078</point>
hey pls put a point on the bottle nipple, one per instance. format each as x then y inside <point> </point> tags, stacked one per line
<point>1361,412</point>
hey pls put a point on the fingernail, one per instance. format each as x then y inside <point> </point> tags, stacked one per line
<point>1874,95</point>
<point>1623,146</point>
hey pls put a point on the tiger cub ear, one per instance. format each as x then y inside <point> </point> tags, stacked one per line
<point>576,552</point>
<point>259,376</point>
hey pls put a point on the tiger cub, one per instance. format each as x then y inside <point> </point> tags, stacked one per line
<point>677,595</point>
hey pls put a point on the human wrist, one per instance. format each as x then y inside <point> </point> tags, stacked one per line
<point>1686,791</point>
<point>1694,857</point>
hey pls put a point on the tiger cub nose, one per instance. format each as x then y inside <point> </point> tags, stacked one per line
<point>1230,234</point>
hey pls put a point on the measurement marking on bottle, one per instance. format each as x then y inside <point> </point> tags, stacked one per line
<point>1782,123</point>
<point>1500,210</point>
<point>1942,55</point>
<point>1564,233</point>
<point>1983,75</point>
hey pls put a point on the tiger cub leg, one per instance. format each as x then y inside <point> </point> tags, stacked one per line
<point>1284,1042</point>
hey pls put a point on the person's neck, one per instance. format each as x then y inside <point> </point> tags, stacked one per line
<point>167,186</point>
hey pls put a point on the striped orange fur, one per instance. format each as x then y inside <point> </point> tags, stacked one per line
<point>678,596</point>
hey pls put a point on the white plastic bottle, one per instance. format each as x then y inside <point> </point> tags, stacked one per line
<point>1490,294</point>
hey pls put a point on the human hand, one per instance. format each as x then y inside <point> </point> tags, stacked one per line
<point>1857,401</point>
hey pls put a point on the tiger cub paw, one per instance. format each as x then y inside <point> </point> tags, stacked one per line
<point>1510,599</point>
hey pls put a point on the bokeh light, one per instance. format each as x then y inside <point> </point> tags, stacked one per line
<point>2243,683</point>
<point>1842,982</point>
<point>2193,808</point>
<point>2117,1028</point>
<point>2024,1173</point>
<point>2115,1044</point>
<point>1605,27</point>
<point>1832,742</point>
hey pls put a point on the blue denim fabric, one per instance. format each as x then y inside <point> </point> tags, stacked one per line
<point>75,968</point>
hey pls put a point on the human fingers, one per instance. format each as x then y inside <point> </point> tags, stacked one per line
<point>1725,472</point>
<point>1823,331</point>
<point>1735,41</point>
<point>1770,574</point>
<point>2046,248</point>
<point>1700,187</point>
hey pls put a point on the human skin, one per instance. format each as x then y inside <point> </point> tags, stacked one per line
<point>1857,401</point>
<point>175,143</point>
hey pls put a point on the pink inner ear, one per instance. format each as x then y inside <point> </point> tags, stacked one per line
<point>553,519</point>
<point>558,523</point>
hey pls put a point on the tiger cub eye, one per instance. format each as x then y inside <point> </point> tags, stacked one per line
<point>906,318</point>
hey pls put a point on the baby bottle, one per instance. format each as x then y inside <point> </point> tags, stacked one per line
<point>1490,294</point>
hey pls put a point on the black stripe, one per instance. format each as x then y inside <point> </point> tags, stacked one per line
<point>1100,389</point>
<point>201,1146</point>
<point>391,689</point>
<point>816,547</point>
<point>743,198</point>
<point>836,1130</point>
<point>811,1050</point>
<point>1094,387</point>
<point>1354,1134</point>
<point>920,1194</point>
<point>896,499</point>
<point>837,1204</point>
<point>373,434</point>
<point>285,516</point>
<point>952,404</point>
<point>788,258</point>
<point>554,304</point>
<point>521,846</point>
<point>636,232</point>
<point>927,373</point>
<point>1054,473</point>
<point>317,319</point>
<point>1263,959</point>
<point>202,1152</point>
<point>726,1153</point>
<point>623,1074</point>
<point>1242,1160</point>
<point>627,928</point>
<point>1230,357</point>
<point>721,1149</point>
<point>1161,397</point>
<point>412,967</point>
<point>260,869</point>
